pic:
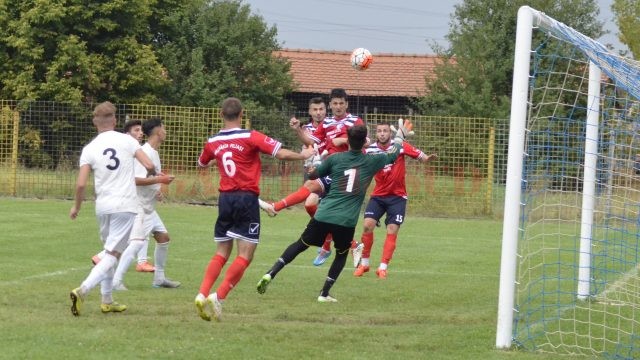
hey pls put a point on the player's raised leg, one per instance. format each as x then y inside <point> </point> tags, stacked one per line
<point>287,256</point>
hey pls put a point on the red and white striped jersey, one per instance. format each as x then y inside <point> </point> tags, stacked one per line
<point>331,128</point>
<point>390,180</point>
<point>310,129</point>
<point>237,154</point>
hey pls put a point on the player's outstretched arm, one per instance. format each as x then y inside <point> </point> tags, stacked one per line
<point>302,135</point>
<point>404,130</point>
<point>284,154</point>
<point>160,178</point>
<point>430,157</point>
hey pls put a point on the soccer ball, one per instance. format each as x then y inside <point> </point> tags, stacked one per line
<point>361,58</point>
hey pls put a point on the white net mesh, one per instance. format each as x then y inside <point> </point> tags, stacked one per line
<point>549,316</point>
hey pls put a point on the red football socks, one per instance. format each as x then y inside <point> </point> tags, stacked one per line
<point>327,243</point>
<point>367,240</point>
<point>389,247</point>
<point>211,274</point>
<point>296,197</point>
<point>232,277</point>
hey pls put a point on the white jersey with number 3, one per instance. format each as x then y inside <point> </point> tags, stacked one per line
<point>147,194</point>
<point>111,156</point>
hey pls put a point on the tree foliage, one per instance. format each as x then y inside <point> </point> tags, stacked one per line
<point>183,52</point>
<point>627,17</point>
<point>475,76</point>
<point>78,50</point>
<point>213,50</point>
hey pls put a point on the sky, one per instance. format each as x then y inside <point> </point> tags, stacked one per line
<point>382,26</point>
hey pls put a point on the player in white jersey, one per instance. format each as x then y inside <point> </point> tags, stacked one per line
<point>148,221</point>
<point>110,156</point>
<point>133,128</point>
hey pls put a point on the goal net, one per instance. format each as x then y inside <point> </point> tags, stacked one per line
<point>569,279</point>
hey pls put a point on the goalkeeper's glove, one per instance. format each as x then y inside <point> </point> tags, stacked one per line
<point>404,130</point>
<point>317,158</point>
<point>310,161</point>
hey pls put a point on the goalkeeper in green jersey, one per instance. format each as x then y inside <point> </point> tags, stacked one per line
<point>351,173</point>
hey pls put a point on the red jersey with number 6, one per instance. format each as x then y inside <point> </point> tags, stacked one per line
<point>237,154</point>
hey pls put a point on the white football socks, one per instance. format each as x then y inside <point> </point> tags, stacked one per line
<point>142,253</point>
<point>126,259</point>
<point>98,273</point>
<point>160,258</point>
<point>106,287</point>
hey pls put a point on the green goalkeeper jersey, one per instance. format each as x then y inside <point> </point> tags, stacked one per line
<point>351,173</point>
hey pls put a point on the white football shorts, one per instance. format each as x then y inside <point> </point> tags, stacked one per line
<point>115,230</point>
<point>146,224</point>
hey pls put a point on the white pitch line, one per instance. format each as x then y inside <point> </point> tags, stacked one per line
<point>618,284</point>
<point>40,276</point>
<point>265,265</point>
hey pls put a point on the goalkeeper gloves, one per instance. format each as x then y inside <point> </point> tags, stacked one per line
<point>317,158</point>
<point>404,130</point>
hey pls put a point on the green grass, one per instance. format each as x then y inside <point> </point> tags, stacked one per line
<point>439,301</point>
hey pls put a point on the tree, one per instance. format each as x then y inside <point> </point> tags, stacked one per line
<point>213,50</point>
<point>78,50</point>
<point>475,75</point>
<point>627,17</point>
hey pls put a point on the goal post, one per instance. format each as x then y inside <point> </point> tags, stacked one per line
<point>514,177</point>
<point>571,232</point>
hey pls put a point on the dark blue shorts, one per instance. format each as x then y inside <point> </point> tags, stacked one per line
<point>316,231</point>
<point>238,217</point>
<point>394,206</point>
<point>325,182</point>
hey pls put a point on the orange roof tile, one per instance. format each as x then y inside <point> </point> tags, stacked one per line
<point>318,71</point>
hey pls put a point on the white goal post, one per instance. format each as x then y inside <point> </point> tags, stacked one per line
<point>571,234</point>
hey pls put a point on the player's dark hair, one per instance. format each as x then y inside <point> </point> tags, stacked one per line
<point>317,100</point>
<point>357,136</point>
<point>131,123</point>
<point>383,122</point>
<point>231,108</point>
<point>338,93</point>
<point>149,125</point>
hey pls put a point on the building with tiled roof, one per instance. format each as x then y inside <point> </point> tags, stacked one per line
<point>389,84</point>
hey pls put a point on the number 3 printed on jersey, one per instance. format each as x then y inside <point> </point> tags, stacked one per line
<point>114,162</point>
<point>228,164</point>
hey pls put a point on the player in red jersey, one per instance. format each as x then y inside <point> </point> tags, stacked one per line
<point>332,132</point>
<point>236,152</point>
<point>317,113</point>
<point>389,196</point>
<point>338,213</point>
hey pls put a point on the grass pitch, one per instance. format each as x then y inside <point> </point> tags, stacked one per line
<point>438,302</point>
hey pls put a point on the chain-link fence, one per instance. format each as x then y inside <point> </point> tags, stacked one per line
<point>40,144</point>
